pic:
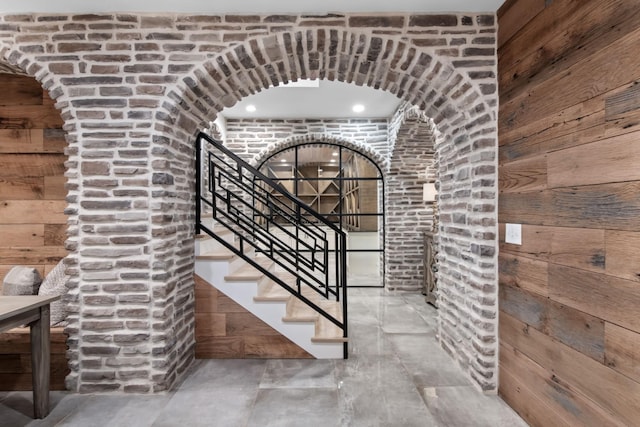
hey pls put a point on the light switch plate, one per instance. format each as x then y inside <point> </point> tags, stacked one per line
<point>513,234</point>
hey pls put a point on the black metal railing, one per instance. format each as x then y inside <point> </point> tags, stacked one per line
<point>266,218</point>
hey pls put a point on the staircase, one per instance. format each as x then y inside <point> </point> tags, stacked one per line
<point>269,252</point>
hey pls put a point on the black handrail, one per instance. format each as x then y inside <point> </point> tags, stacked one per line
<point>247,202</point>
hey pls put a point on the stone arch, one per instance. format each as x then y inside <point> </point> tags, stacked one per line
<point>59,167</point>
<point>412,137</point>
<point>463,114</point>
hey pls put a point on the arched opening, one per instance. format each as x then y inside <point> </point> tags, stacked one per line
<point>131,128</point>
<point>347,188</point>
<point>33,221</point>
<point>462,120</point>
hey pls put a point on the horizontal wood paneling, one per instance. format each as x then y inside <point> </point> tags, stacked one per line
<point>15,359</point>
<point>531,404</point>
<point>22,235</point>
<point>610,298</point>
<point>582,123</point>
<point>577,329</point>
<point>569,146</point>
<point>20,165</point>
<point>561,398</point>
<point>33,211</point>
<point>614,159</point>
<point>18,90</point>
<point>224,329</point>
<point>54,187</point>
<point>573,247</point>
<point>21,141</point>
<point>514,14</point>
<point>623,254</point>
<point>32,182</point>
<point>615,393</point>
<point>30,117</point>
<point>22,188</point>
<point>608,206</point>
<point>594,25</point>
<point>525,273</point>
<point>575,84</point>
<point>526,175</point>
<point>33,255</point>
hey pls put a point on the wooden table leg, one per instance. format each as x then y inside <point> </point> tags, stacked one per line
<point>40,362</point>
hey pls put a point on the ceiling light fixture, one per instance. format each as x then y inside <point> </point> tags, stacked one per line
<point>334,154</point>
<point>250,108</point>
<point>358,108</point>
<point>283,160</point>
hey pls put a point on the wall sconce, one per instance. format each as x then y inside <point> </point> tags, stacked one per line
<point>429,192</point>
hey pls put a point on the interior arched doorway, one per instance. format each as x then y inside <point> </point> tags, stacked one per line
<point>463,119</point>
<point>33,220</point>
<point>148,113</point>
<point>345,186</point>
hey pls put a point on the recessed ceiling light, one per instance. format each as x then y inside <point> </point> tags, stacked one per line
<point>358,108</point>
<point>283,160</point>
<point>334,154</point>
<point>250,108</point>
<point>333,160</point>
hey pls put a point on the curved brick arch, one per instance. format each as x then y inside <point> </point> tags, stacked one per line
<point>412,137</point>
<point>462,114</point>
<point>414,75</point>
<point>364,149</point>
<point>135,88</point>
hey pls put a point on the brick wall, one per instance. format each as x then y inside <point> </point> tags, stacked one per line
<point>134,89</point>
<point>256,140</point>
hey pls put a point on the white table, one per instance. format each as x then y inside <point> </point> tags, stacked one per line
<point>35,312</point>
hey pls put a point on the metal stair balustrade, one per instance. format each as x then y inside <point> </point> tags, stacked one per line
<point>267,219</point>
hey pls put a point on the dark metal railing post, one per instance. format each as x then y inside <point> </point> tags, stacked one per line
<point>198,184</point>
<point>343,282</point>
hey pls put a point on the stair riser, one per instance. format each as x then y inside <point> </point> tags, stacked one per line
<point>209,244</point>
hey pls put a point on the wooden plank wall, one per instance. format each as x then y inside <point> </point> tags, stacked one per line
<point>32,223</point>
<point>15,359</point>
<point>226,330</point>
<point>569,136</point>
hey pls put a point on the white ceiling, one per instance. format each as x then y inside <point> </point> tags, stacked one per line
<point>331,100</point>
<point>249,6</point>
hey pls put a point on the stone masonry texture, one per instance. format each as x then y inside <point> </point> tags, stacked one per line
<point>133,91</point>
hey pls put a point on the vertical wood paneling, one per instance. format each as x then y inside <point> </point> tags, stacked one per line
<point>569,132</point>
<point>32,181</point>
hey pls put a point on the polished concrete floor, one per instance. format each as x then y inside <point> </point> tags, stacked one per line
<point>396,375</point>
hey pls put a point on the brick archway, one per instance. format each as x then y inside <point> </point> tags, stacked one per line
<point>133,97</point>
<point>412,163</point>
<point>464,117</point>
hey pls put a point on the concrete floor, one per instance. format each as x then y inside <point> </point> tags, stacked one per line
<point>396,375</point>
